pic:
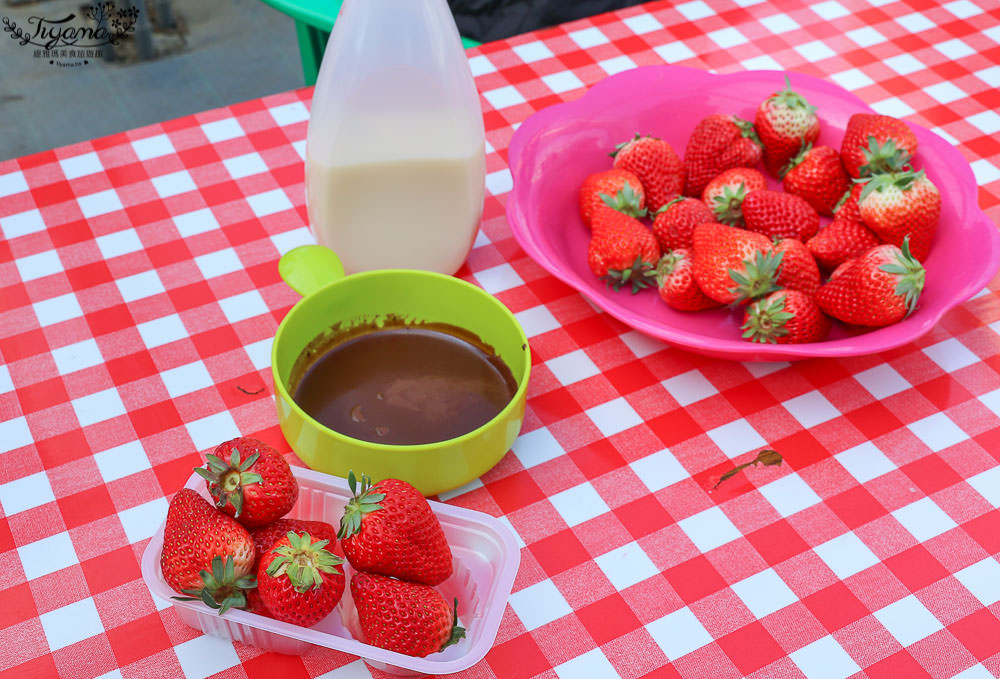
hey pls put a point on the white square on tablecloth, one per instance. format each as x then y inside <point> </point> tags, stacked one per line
<point>759,370</point>
<point>641,344</point>
<point>78,356</point>
<point>614,416</point>
<point>882,381</point>
<point>673,52</point>
<point>208,431</point>
<point>642,23</point>
<point>992,401</point>
<point>951,355</point>
<point>480,240</point>
<point>14,434</point>
<point>186,379</point>
<point>950,138</point>
<point>100,203</point>
<point>218,263</point>
<point>140,285</point>
<point>709,528</point>
<point>865,462</point>
<point>481,65</point>
<point>260,352</point>
<point>22,223</point>
<point>121,461</point>
<point>71,623</point>
<point>269,202</point>
<point>616,64</point>
<point>6,383</point>
<point>761,62</point>
<point>588,37</point>
<point>846,555</point>
<point>502,97</point>
<point>908,620</point>
<point>578,504</point>
<point>915,22</point>
<point>945,92</point>
<point>539,604</point>
<point>780,23</point>
<point>736,438</point>
<point>764,593</point>
<point>626,565</point>
<point>985,171</point>
<point>57,309</point>
<point>986,483</point>
<point>193,223</point>
<point>678,633</point>
<point>173,184</point>
<point>243,306</point>
<point>535,447</point>
<point>47,555</point>
<point>25,493</point>
<point>499,182</point>
<point>289,240</point>
<point>954,49</point>
<point>866,36</point>
<point>924,519</point>
<point>206,655</point>
<point>824,659</point>
<point>990,76</point>
<point>461,490</point>
<point>532,51</point>
<point>830,10</point>
<point>790,494</point>
<point>11,183</point>
<point>563,81</point>
<point>38,265</point>
<point>816,50</point>
<point>222,130</point>
<point>977,671</point>
<point>963,9</point>
<point>160,331</point>
<point>537,320</point>
<point>246,165</point>
<point>689,387</point>
<point>982,579</point>
<point>499,278</point>
<point>695,10</point>
<point>590,665</point>
<point>153,147</point>
<point>852,79</point>
<point>300,148</point>
<point>572,367</point>
<point>113,674</point>
<point>353,670</point>
<point>141,521</point>
<point>289,114</point>
<point>938,431</point>
<point>81,166</point>
<point>119,243</point>
<point>727,37</point>
<point>811,409</point>
<point>987,121</point>
<point>98,407</point>
<point>659,470</point>
<point>904,64</point>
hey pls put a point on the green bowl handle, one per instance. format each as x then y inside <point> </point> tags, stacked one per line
<point>308,268</point>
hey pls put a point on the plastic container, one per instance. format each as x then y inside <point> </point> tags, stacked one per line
<point>486,560</point>
<point>395,151</point>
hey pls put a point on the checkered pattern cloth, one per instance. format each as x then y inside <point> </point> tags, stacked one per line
<point>139,294</point>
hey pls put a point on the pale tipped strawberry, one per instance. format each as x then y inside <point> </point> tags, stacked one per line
<point>726,192</point>
<point>817,175</point>
<point>875,143</point>
<point>839,241</point>
<point>405,617</point>
<point>622,250</point>
<point>389,528</point>
<point>676,284</point>
<point>657,166</point>
<point>777,214</point>
<point>620,189</point>
<point>878,288</point>
<point>785,317</point>
<point>300,581</point>
<point>902,205</point>
<point>718,142</point>
<point>674,223</point>
<point>732,265</point>
<point>799,270</point>
<point>784,122</point>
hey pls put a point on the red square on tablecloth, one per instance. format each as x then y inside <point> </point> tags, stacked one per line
<point>835,606</point>
<point>140,638</point>
<point>608,618</point>
<point>519,658</point>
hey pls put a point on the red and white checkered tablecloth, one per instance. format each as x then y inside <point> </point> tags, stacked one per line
<point>139,294</point>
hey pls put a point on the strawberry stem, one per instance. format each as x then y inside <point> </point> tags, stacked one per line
<point>457,633</point>
<point>363,501</point>
<point>221,589</point>
<point>303,561</point>
<point>226,481</point>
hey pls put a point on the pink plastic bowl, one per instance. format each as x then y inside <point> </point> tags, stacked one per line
<point>556,148</point>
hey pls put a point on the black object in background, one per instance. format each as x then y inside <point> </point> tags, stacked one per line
<point>486,20</point>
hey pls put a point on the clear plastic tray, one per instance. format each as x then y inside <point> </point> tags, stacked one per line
<point>486,560</point>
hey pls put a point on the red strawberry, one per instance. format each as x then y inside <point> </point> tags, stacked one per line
<point>902,205</point>
<point>674,223</point>
<point>876,143</point>
<point>618,188</point>
<point>726,192</point>
<point>785,121</point>
<point>785,317</point>
<point>817,175</point>
<point>657,166</point>
<point>879,288</point>
<point>718,143</point>
<point>676,285</point>
<point>389,528</point>
<point>780,215</point>
<point>299,581</point>
<point>799,270</point>
<point>621,249</point>
<point>206,553</point>
<point>255,604</point>
<point>732,265</point>
<point>264,537</point>
<point>840,240</point>
<point>847,206</point>
<point>250,480</point>
<point>405,617</point>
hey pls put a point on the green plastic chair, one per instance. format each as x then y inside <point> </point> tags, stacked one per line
<point>313,23</point>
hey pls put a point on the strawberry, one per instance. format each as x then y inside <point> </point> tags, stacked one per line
<point>299,581</point>
<point>621,249</point>
<point>780,215</point>
<point>785,317</point>
<point>840,240</point>
<point>878,288</point>
<point>817,175</point>
<point>876,143</point>
<point>785,121</point>
<point>206,554</point>
<point>847,206</point>
<point>902,205</point>
<point>732,265</point>
<point>674,223</point>
<point>388,528</point>
<point>717,143</point>
<point>726,192</point>
<point>657,166</point>
<point>405,617</point>
<point>676,285</point>
<point>799,270</point>
<point>620,189</point>
<point>264,537</point>
<point>250,481</point>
